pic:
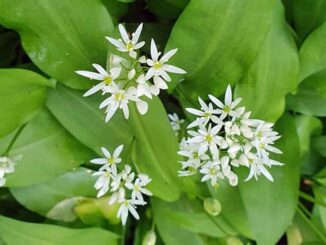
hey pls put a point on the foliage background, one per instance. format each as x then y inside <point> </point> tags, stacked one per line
<point>274,54</point>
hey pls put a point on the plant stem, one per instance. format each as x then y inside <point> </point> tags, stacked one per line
<point>13,140</point>
<point>312,225</point>
<point>312,199</point>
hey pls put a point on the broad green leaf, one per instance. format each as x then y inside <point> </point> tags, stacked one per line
<point>5,141</point>
<point>47,150</point>
<point>22,94</point>
<point>233,209</point>
<point>273,74</point>
<point>270,206</point>
<point>307,126</point>
<point>319,144</point>
<point>155,149</point>
<point>308,15</point>
<point>41,197</point>
<point>116,9</point>
<point>171,233</point>
<point>310,97</point>
<point>217,42</point>
<point>18,232</point>
<point>85,121</point>
<point>62,36</point>
<point>313,52</point>
<point>320,194</point>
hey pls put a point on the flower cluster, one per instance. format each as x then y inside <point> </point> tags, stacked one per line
<point>226,138</point>
<point>124,187</point>
<point>7,165</point>
<point>130,77</point>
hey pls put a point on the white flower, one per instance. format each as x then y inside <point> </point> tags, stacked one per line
<point>127,206</point>
<point>109,160</point>
<point>138,187</point>
<point>144,88</point>
<point>158,69</point>
<point>175,122</point>
<point>106,78</point>
<point>211,171</point>
<point>127,44</point>
<point>102,184</point>
<point>228,107</point>
<point>207,138</point>
<point>7,165</point>
<point>257,168</point>
<point>119,99</point>
<point>205,115</point>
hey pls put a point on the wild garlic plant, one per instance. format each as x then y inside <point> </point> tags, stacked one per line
<point>222,138</point>
<point>130,77</point>
<point>124,187</point>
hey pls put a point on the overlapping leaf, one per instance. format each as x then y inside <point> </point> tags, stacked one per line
<point>22,93</point>
<point>47,150</point>
<point>217,41</point>
<point>62,36</point>
<point>155,149</point>
<point>273,74</point>
<point>18,232</point>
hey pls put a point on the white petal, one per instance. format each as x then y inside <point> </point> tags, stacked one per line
<point>228,95</point>
<point>123,33</point>
<point>174,69</point>
<point>168,55</point>
<point>111,112</point>
<point>160,83</point>
<point>94,89</point>
<point>195,111</point>
<point>91,75</point>
<point>154,52</point>
<point>115,72</point>
<point>136,34</point>
<point>117,151</point>
<point>139,45</point>
<point>105,152</point>
<point>133,212</point>
<point>99,161</point>
<point>100,69</point>
<point>125,110</point>
<point>115,42</point>
<point>216,101</point>
<point>142,107</point>
<point>150,73</point>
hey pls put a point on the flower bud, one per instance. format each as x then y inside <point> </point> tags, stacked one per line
<point>149,238</point>
<point>212,206</point>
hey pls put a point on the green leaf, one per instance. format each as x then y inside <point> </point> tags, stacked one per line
<point>22,94</point>
<point>306,127</point>
<point>62,36</point>
<point>263,199</point>
<point>18,232</point>
<point>271,76</point>
<point>313,53</point>
<point>308,15</point>
<point>171,233</point>
<point>155,149</point>
<point>311,96</point>
<point>41,197</point>
<point>224,45</point>
<point>319,144</point>
<point>82,118</point>
<point>47,150</point>
<point>233,209</point>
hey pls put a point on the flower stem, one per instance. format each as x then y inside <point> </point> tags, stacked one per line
<point>14,139</point>
<point>312,199</point>
<point>312,225</point>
